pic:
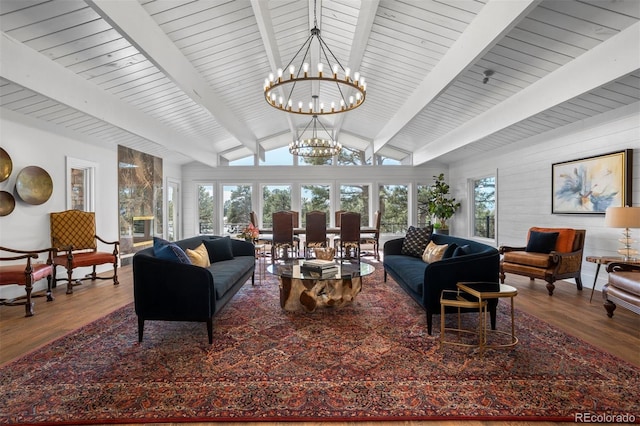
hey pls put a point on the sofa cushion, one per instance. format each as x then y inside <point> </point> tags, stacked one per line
<point>166,250</point>
<point>626,281</point>
<point>451,248</point>
<point>539,260</point>
<point>226,273</point>
<point>410,270</point>
<point>461,250</point>
<point>415,241</point>
<point>199,256</point>
<point>434,252</point>
<point>541,242</point>
<point>219,249</point>
<point>564,244</point>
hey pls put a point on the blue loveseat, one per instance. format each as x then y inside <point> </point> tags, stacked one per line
<point>172,291</point>
<point>424,282</point>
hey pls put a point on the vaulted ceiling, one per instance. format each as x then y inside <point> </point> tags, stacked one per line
<point>183,79</point>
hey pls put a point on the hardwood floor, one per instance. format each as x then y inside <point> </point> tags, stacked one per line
<point>568,309</point>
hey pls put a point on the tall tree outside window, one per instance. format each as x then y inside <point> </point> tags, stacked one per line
<point>422,203</point>
<point>315,197</point>
<point>237,206</point>
<point>394,200</point>
<point>205,209</point>
<point>484,207</point>
<point>355,198</point>
<point>275,198</point>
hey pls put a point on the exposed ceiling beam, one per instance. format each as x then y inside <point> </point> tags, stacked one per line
<point>265,26</point>
<point>131,20</point>
<point>602,64</point>
<point>28,68</point>
<point>366,16</point>
<point>496,19</point>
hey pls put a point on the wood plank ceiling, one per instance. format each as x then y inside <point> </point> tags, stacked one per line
<point>182,79</point>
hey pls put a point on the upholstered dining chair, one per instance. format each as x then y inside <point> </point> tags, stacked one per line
<point>283,246</point>
<point>373,238</point>
<point>75,245</point>
<point>315,231</point>
<point>25,273</point>
<point>349,243</point>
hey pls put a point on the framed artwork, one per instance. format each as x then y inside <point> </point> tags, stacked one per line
<point>590,185</point>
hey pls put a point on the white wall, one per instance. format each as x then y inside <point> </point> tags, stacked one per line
<point>30,142</point>
<point>524,182</point>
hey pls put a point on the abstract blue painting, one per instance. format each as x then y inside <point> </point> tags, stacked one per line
<point>590,185</point>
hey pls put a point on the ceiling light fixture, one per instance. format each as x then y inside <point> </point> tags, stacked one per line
<point>315,146</point>
<point>487,74</point>
<point>337,84</point>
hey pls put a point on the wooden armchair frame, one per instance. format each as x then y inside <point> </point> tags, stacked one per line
<point>559,266</point>
<point>14,273</point>
<point>75,245</point>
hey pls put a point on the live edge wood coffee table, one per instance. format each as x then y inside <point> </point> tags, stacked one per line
<point>307,291</point>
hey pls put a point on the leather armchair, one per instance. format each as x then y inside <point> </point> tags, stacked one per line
<point>564,261</point>
<point>623,288</point>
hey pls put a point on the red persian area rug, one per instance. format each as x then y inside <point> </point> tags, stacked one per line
<point>372,360</point>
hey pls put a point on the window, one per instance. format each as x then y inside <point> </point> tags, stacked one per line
<point>236,208</point>
<point>245,161</point>
<point>205,209</point>
<point>275,198</point>
<point>352,157</point>
<point>315,197</point>
<point>484,207</point>
<point>423,216</point>
<point>394,200</point>
<point>277,157</point>
<point>355,198</point>
<point>80,184</point>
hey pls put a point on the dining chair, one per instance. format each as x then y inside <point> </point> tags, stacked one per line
<point>349,242</point>
<point>283,246</point>
<point>373,238</point>
<point>315,231</point>
<point>262,238</point>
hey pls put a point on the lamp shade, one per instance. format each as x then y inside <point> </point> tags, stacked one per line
<point>622,217</point>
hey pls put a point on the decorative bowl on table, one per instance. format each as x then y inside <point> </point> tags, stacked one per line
<point>325,253</point>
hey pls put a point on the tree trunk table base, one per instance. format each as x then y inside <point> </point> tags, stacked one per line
<point>307,294</point>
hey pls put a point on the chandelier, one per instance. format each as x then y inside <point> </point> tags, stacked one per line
<point>343,91</point>
<point>315,146</point>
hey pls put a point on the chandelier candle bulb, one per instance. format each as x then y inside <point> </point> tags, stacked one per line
<point>279,72</point>
<point>292,72</point>
<point>335,71</point>
<point>305,69</point>
<point>320,70</point>
<point>356,77</point>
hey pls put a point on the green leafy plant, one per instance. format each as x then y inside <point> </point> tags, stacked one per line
<point>440,205</point>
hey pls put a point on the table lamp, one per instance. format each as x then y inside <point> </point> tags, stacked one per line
<point>624,217</point>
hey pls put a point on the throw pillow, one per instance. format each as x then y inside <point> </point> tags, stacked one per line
<point>166,250</point>
<point>415,241</point>
<point>219,249</point>
<point>199,256</point>
<point>542,242</point>
<point>449,251</point>
<point>461,251</point>
<point>433,252</point>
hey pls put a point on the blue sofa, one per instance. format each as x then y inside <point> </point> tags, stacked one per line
<point>172,291</point>
<point>424,282</point>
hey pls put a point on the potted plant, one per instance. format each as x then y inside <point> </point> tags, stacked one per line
<point>440,205</point>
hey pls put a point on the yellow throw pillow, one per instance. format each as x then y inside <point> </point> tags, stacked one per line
<point>199,256</point>
<point>434,252</point>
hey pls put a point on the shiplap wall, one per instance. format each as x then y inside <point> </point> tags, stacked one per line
<point>524,182</point>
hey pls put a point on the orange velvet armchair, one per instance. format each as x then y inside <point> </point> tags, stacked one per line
<point>560,259</point>
<point>75,245</point>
